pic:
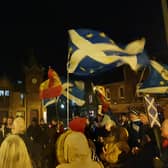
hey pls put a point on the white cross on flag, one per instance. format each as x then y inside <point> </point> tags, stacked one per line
<point>92,52</point>
<point>152,110</point>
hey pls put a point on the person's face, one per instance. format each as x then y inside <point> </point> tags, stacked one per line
<point>164,129</point>
<point>123,118</point>
<point>9,121</point>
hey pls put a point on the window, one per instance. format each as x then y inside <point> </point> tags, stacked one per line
<point>1,92</point>
<point>19,82</point>
<point>6,92</point>
<point>121,92</point>
<point>4,97</point>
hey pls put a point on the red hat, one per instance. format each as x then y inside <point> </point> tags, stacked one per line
<point>78,124</point>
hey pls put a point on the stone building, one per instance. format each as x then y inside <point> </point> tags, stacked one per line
<point>21,98</point>
<point>123,94</point>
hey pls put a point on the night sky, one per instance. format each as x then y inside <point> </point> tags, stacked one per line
<point>43,27</point>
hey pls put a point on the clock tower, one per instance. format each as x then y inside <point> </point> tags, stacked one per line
<point>33,78</point>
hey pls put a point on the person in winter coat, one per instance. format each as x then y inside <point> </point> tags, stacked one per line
<point>73,151</point>
<point>116,148</point>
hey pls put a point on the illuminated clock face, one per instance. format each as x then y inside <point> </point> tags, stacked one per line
<point>34,80</point>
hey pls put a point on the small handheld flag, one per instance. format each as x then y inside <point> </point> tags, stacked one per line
<point>152,111</point>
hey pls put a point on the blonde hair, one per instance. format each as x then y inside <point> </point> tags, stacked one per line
<point>13,153</point>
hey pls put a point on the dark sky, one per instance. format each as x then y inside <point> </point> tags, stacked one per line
<point>44,25</point>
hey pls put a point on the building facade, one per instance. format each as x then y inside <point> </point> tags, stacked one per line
<point>22,97</point>
<point>124,94</point>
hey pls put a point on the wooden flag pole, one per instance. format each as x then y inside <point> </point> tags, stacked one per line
<point>67,100</point>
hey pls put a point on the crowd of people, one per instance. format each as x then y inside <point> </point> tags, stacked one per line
<point>125,141</point>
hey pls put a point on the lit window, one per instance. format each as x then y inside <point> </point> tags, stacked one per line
<point>19,82</point>
<point>1,92</point>
<point>6,92</point>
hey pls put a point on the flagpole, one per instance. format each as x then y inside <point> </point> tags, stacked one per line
<point>56,103</point>
<point>67,100</point>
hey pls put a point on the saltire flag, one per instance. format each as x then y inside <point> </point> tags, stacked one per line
<point>51,87</point>
<point>92,52</point>
<point>76,93</point>
<point>152,110</point>
<point>157,81</point>
<point>49,101</point>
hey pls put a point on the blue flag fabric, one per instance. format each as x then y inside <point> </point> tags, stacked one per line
<point>157,81</point>
<point>76,93</point>
<point>49,101</point>
<point>152,110</point>
<point>92,52</point>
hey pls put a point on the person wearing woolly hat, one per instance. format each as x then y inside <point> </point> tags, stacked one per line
<point>78,124</point>
<point>72,151</point>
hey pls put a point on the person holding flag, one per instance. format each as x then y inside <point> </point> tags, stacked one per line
<point>150,151</point>
<point>51,89</point>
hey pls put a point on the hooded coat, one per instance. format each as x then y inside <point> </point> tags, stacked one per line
<point>73,151</point>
